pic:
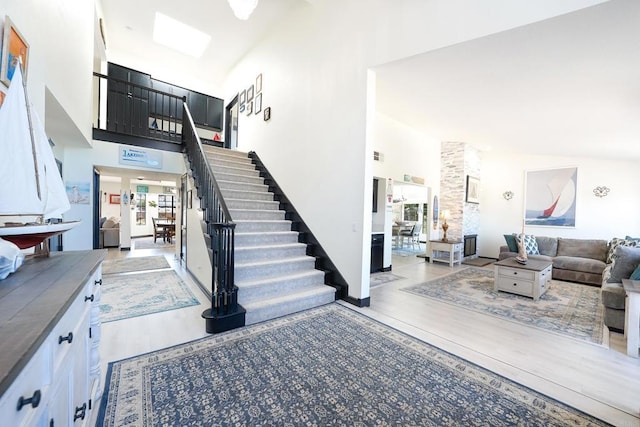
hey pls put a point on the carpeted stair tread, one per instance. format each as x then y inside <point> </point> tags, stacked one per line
<point>244,254</point>
<point>247,195</point>
<point>238,178</point>
<point>257,214</point>
<point>234,186</point>
<point>266,237</point>
<point>253,270</point>
<point>277,307</point>
<point>262,225</point>
<point>233,203</point>
<point>275,287</point>
<point>233,170</point>
<point>229,162</point>
<point>265,263</point>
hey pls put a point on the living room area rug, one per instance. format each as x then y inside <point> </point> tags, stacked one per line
<point>126,265</point>
<point>566,308</point>
<point>132,295</point>
<point>325,366</point>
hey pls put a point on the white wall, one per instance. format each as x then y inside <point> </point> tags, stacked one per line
<point>60,37</point>
<point>78,167</point>
<point>615,215</point>
<point>315,76</point>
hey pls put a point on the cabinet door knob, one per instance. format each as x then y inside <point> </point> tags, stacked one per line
<point>89,298</point>
<point>81,411</point>
<point>68,338</point>
<point>98,282</point>
<point>34,400</point>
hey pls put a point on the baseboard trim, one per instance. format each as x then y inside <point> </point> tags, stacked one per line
<point>358,302</point>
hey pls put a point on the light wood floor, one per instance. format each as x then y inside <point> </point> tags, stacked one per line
<point>599,380</point>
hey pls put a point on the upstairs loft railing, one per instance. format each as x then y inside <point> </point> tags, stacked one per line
<point>126,108</point>
<point>225,312</point>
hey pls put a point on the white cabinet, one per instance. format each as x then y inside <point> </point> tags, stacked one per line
<point>59,384</point>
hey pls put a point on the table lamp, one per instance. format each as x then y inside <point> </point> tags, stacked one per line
<point>445,226</point>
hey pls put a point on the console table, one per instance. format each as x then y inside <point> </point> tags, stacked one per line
<point>632,316</point>
<point>448,252</point>
<point>50,334</point>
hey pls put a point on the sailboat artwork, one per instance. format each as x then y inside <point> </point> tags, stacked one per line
<point>32,196</point>
<point>551,197</point>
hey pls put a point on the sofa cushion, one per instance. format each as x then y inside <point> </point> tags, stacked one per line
<point>636,274</point>
<point>583,248</point>
<point>614,243</point>
<point>625,260</point>
<point>547,245</point>
<point>574,263</point>
<point>109,224</point>
<point>511,242</point>
<point>530,243</point>
<point>613,295</point>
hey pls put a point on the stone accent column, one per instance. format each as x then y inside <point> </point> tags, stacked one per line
<point>458,159</point>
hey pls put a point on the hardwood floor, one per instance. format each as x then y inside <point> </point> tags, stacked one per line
<point>599,380</point>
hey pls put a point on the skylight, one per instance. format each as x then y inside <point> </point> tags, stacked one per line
<point>179,36</point>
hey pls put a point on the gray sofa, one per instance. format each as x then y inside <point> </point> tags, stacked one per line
<point>626,259</point>
<point>573,260</point>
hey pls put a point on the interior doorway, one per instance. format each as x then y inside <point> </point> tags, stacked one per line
<point>231,125</point>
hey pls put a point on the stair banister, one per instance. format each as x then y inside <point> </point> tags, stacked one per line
<point>225,312</point>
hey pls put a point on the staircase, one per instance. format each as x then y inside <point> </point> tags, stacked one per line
<point>273,274</point>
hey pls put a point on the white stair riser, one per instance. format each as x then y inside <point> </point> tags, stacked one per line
<point>263,205</point>
<point>232,170</point>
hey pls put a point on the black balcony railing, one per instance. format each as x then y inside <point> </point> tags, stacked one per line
<point>225,312</point>
<point>127,108</point>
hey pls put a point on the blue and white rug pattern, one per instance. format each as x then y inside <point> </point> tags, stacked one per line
<point>132,295</point>
<point>326,366</point>
<point>566,308</point>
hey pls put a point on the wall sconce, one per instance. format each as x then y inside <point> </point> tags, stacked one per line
<point>508,195</point>
<point>445,214</point>
<point>601,191</point>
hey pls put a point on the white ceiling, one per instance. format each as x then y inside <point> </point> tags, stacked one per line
<point>567,86</point>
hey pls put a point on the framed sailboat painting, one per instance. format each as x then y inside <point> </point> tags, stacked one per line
<point>14,46</point>
<point>550,197</point>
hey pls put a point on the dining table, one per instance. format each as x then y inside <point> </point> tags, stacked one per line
<point>168,229</point>
<point>397,227</point>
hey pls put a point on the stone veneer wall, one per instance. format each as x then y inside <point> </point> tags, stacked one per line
<point>458,160</point>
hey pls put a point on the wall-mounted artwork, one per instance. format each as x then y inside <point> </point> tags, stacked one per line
<point>114,199</point>
<point>78,192</point>
<point>259,83</point>
<point>473,190</point>
<point>436,212</point>
<point>14,47</point>
<point>550,198</point>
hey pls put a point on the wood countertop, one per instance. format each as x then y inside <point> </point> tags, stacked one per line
<point>32,301</point>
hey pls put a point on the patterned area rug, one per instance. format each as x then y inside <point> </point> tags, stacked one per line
<point>326,366</point>
<point>147,243</point>
<point>408,251</point>
<point>126,265</point>
<point>132,295</point>
<point>378,279</point>
<point>566,308</point>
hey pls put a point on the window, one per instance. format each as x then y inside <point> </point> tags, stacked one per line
<point>141,209</point>
<point>166,206</point>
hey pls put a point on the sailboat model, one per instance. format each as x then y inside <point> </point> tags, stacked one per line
<point>32,188</point>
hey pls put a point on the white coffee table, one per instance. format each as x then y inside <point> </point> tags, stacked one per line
<point>530,279</point>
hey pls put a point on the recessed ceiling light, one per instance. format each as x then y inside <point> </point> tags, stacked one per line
<point>181,37</point>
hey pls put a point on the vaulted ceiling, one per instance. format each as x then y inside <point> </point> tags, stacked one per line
<point>566,86</point>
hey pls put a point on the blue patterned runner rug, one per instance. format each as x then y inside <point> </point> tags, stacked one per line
<point>566,308</point>
<point>126,265</point>
<point>326,366</point>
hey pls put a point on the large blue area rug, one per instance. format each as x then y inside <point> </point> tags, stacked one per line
<point>132,295</point>
<point>566,308</point>
<point>326,366</point>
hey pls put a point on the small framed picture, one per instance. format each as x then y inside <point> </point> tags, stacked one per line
<point>249,108</point>
<point>14,47</point>
<point>243,97</point>
<point>258,103</point>
<point>114,199</point>
<point>241,109</point>
<point>267,114</point>
<point>250,93</point>
<point>259,83</point>
<point>473,190</point>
